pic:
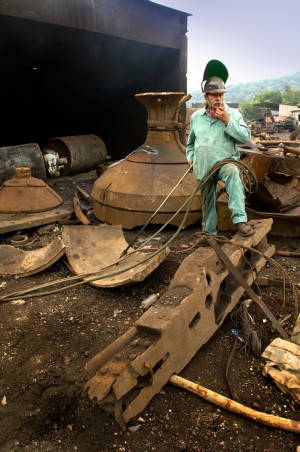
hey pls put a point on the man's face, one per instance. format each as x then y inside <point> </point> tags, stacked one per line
<point>214,100</point>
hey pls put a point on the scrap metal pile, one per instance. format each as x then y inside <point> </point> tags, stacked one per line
<point>129,372</point>
<point>276,164</point>
<point>209,283</point>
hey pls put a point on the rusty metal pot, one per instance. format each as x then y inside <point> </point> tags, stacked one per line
<point>27,194</point>
<point>132,189</point>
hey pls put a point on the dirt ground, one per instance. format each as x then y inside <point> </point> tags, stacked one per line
<point>46,342</point>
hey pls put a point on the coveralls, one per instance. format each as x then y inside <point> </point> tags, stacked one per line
<point>211,141</point>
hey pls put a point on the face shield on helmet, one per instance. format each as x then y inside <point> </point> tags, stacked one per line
<point>214,85</point>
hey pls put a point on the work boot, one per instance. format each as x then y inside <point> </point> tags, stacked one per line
<point>202,240</point>
<point>245,229</point>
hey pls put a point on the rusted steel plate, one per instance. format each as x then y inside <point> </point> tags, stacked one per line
<point>14,261</point>
<point>260,164</point>
<point>262,200</point>
<point>266,163</point>
<point>167,336</point>
<point>285,189</point>
<point>284,224</point>
<point>91,249</point>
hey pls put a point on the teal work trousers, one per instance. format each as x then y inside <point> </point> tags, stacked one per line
<point>230,175</point>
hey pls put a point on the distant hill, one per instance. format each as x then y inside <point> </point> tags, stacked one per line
<point>246,91</point>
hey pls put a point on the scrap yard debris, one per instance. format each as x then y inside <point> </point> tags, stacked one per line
<point>124,369</point>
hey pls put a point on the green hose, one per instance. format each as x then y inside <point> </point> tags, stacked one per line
<point>249,183</point>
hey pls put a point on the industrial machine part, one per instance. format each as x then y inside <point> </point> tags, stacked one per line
<point>103,268</point>
<point>128,373</point>
<point>25,193</point>
<point>23,155</point>
<point>15,261</point>
<point>74,154</point>
<point>277,196</point>
<point>54,163</point>
<point>129,192</point>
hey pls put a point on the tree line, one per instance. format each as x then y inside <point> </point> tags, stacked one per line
<point>253,110</point>
<point>284,90</point>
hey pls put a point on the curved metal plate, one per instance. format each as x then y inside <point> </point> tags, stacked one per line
<point>92,249</point>
<point>262,200</point>
<point>14,261</point>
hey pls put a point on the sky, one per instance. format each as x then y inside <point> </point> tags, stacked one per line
<point>255,39</point>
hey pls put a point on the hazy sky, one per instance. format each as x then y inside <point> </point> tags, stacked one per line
<point>255,39</point>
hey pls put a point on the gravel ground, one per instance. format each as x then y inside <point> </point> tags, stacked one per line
<point>47,341</point>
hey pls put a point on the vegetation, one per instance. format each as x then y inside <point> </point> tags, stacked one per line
<point>247,91</point>
<point>251,110</point>
<point>284,90</point>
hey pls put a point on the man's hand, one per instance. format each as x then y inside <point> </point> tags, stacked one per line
<point>190,165</point>
<point>222,115</point>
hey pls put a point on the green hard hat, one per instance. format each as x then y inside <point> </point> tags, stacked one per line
<point>215,68</point>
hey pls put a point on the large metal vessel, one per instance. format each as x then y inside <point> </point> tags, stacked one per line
<point>129,192</point>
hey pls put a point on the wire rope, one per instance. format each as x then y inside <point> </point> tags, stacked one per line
<point>249,182</point>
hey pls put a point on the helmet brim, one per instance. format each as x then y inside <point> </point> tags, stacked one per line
<point>215,91</point>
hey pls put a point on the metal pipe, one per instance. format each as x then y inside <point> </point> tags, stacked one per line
<point>235,407</point>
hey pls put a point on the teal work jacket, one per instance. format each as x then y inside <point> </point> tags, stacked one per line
<point>211,141</point>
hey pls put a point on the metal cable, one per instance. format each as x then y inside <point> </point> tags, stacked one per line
<point>90,277</point>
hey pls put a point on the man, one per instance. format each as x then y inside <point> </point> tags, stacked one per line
<point>215,131</point>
